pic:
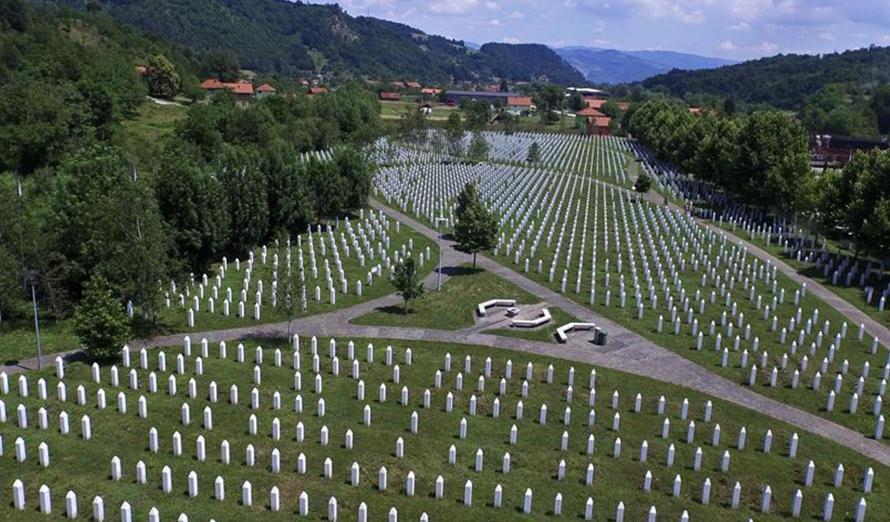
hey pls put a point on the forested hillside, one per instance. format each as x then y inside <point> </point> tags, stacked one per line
<point>78,202</point>
<point>784,81</point>
<point>278,36</point>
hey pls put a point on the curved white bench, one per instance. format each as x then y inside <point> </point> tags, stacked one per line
<point>562,331</point>
<point>542,319</point>
<point>480,308</point>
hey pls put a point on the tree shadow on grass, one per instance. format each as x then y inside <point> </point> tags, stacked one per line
<point>394,310</point>
<point>459,271</point>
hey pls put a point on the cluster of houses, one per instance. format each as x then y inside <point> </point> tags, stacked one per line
<point>244,91</point>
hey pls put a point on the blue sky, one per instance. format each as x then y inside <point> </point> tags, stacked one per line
<point>737,29</point>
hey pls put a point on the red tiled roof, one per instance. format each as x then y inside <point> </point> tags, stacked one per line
<point>212,83</point>
<point>430,90</point>
<point>265,88</point>
<point>595,103</point>
<point>141,70</point>
<point>390,96</point>
<point>590,112</point>
<point>519,101</point>
<point>413,85</point>
<point>318,90</point>
<point>602,121</point>
<point>240,87</point>
<point>695,110</point>
<point>398,85</point>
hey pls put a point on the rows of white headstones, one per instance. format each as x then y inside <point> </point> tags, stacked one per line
<point>606,156</point>
<point>490,393</point>
<point>838,268</point>
<point>593,239</point>
<point>321,270</point>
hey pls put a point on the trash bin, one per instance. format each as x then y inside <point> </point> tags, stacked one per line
<point>599,337</point>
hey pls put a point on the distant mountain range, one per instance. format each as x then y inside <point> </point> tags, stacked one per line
<point>610,66</point>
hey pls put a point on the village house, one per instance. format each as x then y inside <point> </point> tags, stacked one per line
<point>519,105</point>
<point>593,122</point>
<point>242,90</point>
<point>390,96</point>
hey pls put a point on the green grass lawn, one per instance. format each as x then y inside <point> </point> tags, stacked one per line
<point>454,306</point>
<point>84,466</point>
<point>545,333</point>
<point>18,341</point>
<point>143,133</point>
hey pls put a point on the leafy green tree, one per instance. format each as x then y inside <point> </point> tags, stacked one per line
<point>476,227</point>
<point>549,98</point>
<point>36,122</point>
<point>193,204</point>
<point>478,150</point>
<point>477,113</point>
<point>454,132</point>
<point>224,65</point>
<point>576,102</point>
<point>412,126</point>
<point>356,171</point>
<point>163,80</point>
<point>407,282</point>
<point>534,153</point>
<point>245,188</point>
<point>611,109</point>
<point>105,220</point>
<point>100,321</point>
<point>774,161</point>
<point>643,183</point>
<point>880,104</point>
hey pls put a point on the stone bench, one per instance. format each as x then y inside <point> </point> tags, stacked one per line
<point>542,319</point>
<point>481,307</point>
<point>562,331</point>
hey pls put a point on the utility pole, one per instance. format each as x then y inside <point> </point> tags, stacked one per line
<point>439,271</point>
<point>32,277</point>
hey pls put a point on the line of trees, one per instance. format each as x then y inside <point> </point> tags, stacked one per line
<point>762,159</point>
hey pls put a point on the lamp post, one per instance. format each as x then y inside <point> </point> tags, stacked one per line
<point>32,280</point>
<point>439,271</point>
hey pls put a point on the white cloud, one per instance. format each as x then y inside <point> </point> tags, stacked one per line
<point>516,15</point>
<point>827,36</point>
<point>492,6</point>
<point>739,26</point>
<point>455,7</point>
<point>727,45</point>
<point>495,22</point>
<point>510,40</point>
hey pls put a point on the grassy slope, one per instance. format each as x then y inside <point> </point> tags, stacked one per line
<point>84,466</point>
<point>454,306</point>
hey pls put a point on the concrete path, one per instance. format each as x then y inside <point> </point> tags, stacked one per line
<point>626,351</point>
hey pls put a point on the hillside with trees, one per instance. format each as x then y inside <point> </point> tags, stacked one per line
<point>783,81</point>
<point>81,208</point>
<point>278,36</point>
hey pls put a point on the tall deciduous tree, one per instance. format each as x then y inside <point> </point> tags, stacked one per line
<point>407,282</point>
<point>100,321</point>
<point>476,227</point>
<point>478,150</point>
<point>163,80</point>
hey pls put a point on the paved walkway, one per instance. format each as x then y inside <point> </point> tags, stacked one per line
<point>626,350</point>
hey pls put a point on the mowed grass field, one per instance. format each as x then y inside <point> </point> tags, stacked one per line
<point>84,466</point>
